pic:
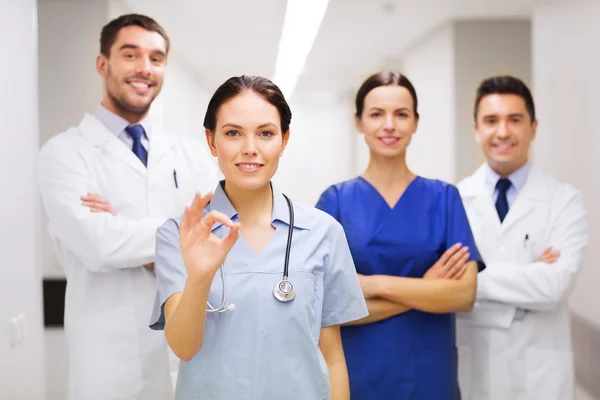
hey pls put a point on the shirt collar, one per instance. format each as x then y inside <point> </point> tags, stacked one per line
<point>221,203</point>
<point>517,178</point>
<point>117,124</point>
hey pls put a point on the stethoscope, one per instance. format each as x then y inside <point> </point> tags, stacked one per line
<point>283,291</point>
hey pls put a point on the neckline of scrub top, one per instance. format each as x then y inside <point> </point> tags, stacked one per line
<point>221,203</point>
<point>374,189</point>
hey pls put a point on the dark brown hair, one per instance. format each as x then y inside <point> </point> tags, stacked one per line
<point>109,33</point>
<point>505,84</point>
<point>257,84</point>
<point>384,78</point>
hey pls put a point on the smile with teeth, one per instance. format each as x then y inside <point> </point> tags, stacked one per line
<point>502,146</point>
<point>389,140</point>
<point>249,167</point>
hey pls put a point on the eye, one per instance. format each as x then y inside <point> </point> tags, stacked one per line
<point>129,56</point>
<point>516,120</point>
<point>266,134</point>
<point>375,114</point>
<point>402,114</point>
<point>232,133</point>
<point>156,60</point>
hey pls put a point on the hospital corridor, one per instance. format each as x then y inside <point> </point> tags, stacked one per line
<point>300,199</point>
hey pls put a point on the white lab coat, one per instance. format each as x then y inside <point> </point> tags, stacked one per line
<point>505,352</point>
<point>113,353</point>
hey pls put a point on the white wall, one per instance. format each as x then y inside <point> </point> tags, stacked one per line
<point>21,367</point>
<point>69,36</point>
<point>429,65</point>
<point>566,61</point>
<point>320,150</point>
<point>484,48</point>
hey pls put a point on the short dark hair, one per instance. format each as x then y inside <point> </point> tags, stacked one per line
<point>385,78</point>
<point>257,84</point>
<point>109,33</point>
<point>505,84</point>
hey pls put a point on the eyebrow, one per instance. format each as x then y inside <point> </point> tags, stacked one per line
<point>135,47</point>
<point>239,127</point>
<point>381,109</point>
<point>521,115</point>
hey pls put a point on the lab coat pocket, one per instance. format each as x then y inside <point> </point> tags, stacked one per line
<point>549,374</point>
<point>104,355</point>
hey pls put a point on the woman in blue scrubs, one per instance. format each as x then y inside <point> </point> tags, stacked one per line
<point>254,346</point>
<point>414,253</point>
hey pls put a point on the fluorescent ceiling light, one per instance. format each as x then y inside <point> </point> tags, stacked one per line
<point>300,27</point>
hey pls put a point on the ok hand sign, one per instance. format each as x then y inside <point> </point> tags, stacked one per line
<point>203,253</point>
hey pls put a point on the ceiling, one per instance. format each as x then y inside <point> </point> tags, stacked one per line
<point>214,40</point>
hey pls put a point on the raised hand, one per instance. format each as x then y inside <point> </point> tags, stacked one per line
<point>203,252</point>
<point>451,265</point>
<point>97,203</point>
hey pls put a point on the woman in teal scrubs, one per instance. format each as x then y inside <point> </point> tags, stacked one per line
<point>413,248</point>
<point>254,346</point>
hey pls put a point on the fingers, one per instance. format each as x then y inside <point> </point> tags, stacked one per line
<point>193,213</point>
<point>462,267</point>
<point>456,262</point>
<point>550,257</point>
<point>449,253</point>
<point>217,216</point>
<point>230,240</point>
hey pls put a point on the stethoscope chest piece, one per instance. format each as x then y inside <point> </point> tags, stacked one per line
<point>284,291</point>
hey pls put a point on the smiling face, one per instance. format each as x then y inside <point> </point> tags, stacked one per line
<point>247,141</point>
<point>504,130</point>
<point>133,72</point>
<point>388,120</point>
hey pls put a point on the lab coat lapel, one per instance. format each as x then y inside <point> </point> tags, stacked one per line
<point>530,196</point>
<point>96,132</point>
<point>482,201</point>
<point>159,146</point>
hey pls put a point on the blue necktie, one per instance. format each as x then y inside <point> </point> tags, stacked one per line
<point>137,132</point>
<point>502,186</point>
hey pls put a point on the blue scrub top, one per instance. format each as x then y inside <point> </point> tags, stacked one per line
<point>411,355</point>
<point>265,349</point>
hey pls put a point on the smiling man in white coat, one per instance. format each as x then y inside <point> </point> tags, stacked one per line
<point>532,232</point>
<point>106,185</point>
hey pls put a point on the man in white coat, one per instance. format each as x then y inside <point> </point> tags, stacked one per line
<point>106,185</point>
<point>532,232</point>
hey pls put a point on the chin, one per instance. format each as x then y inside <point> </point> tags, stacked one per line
<point>249,182</point>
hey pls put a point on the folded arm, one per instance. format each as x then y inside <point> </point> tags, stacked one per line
<point>104,241</point>
<point>540,285</point>
<point>380,309</point>
<point>429,295</point>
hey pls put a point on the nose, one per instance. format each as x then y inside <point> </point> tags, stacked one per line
<point>250,148</point>
<point>388,123</point>
<point>143,66</point>
<point>502,131</point>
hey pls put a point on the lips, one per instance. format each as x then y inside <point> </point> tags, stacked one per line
<point>389,140</point>
<point>140,86</point>
<point>249,167</point>
<point>503,147</point>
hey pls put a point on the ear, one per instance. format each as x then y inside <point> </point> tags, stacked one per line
<point>476,132</point>
<point>358,124</point>
<point>210,140</point>
<point>284,143</point>
<point>101,64</point>
<point>534,127</point>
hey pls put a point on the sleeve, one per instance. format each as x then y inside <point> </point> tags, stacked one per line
<point>103,241</point>
<point>541,286</point>
<point>328,202</point>
<point>343,298</point>
<point>170,270</point>
<point>458,229</point>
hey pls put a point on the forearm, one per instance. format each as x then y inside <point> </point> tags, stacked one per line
<point>538,286</point>
<point>184,329</point>
<point>338,380</point>
<point>431,295</point>
<point>380,309</point>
